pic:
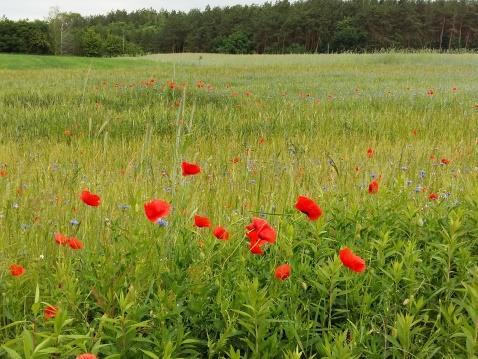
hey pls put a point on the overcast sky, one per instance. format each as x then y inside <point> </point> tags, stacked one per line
<point>38,9</point>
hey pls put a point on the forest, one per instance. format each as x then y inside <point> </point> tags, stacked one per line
<point>312,26</point>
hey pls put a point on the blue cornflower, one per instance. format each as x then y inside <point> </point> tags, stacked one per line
<point>162,222</point>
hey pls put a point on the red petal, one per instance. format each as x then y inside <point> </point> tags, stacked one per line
<point>221,233</point>
<point>250,227</point>
<point>268,234</point>
<point>201,222</point>
<point>255,246</point>
<point>156,209</point>
<point>61,239</point>
<point>190,169</point>
<point>264,230</point>
<point>258,223</point>
<point>373,187</point>
<point>309,207</point>
<point>50,312</point>
<point>90,199</point>
<point>252,235</point>
<point>17,270</point>
<point>283,271</point>
<point>86,356</point>
<point>351,261</point>
<point>75,243</point>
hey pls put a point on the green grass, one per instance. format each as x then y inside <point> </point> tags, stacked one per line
<point>37,62</point>
<point>139,290</point>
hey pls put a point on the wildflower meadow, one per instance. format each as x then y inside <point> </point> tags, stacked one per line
<point>239,206</point>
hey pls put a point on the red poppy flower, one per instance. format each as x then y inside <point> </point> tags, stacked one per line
<point>370,152</point>
<point>90,199</point>
<point>75,243</point>
<point>156,209</point>
<point>309,207</point>
<point>373,187</point>
<point>201,222</point>
<point>255,243</point>
<point>262,140</point>
<point>221,233</point>
<point>351,261</point>
<point>260,233</point>
<point>283,271</point>
<point>3,173</point>
<point>61,239</point>
<point>190,169</point>
<point>17,270</point>
<point>414,132</point>
<point>433,196</point>
<point>50,312</point>
<point>444,161</point>
<point>263,230</point>
<point>86,356</point>
<point>236,159</point>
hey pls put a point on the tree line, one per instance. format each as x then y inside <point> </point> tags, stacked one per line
<point>309,26</point>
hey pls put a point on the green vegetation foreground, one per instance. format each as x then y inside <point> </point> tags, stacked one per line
<point>385,145</point>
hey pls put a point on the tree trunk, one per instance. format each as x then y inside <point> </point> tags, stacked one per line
<point>317,44</point>
<point>459,36</point>
<point>441,34</point>
<point>452,31</point>
<point>61,39</point>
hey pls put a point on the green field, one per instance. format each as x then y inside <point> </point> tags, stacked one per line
<point>264,129</point>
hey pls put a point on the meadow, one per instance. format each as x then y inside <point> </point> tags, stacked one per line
<point>264,131</point>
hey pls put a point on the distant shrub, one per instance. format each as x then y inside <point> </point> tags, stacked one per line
<point>236,43</point>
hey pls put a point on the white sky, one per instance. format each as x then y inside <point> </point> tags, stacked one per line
<point>38,9</point>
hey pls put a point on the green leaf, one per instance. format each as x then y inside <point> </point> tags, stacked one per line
<point>12,354</point>
<point>150,354</point>
<point>42,345</point>
<point>20,322</point>
<point>37,294</point>
<point>50,350</point>
<point>27,344</point>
